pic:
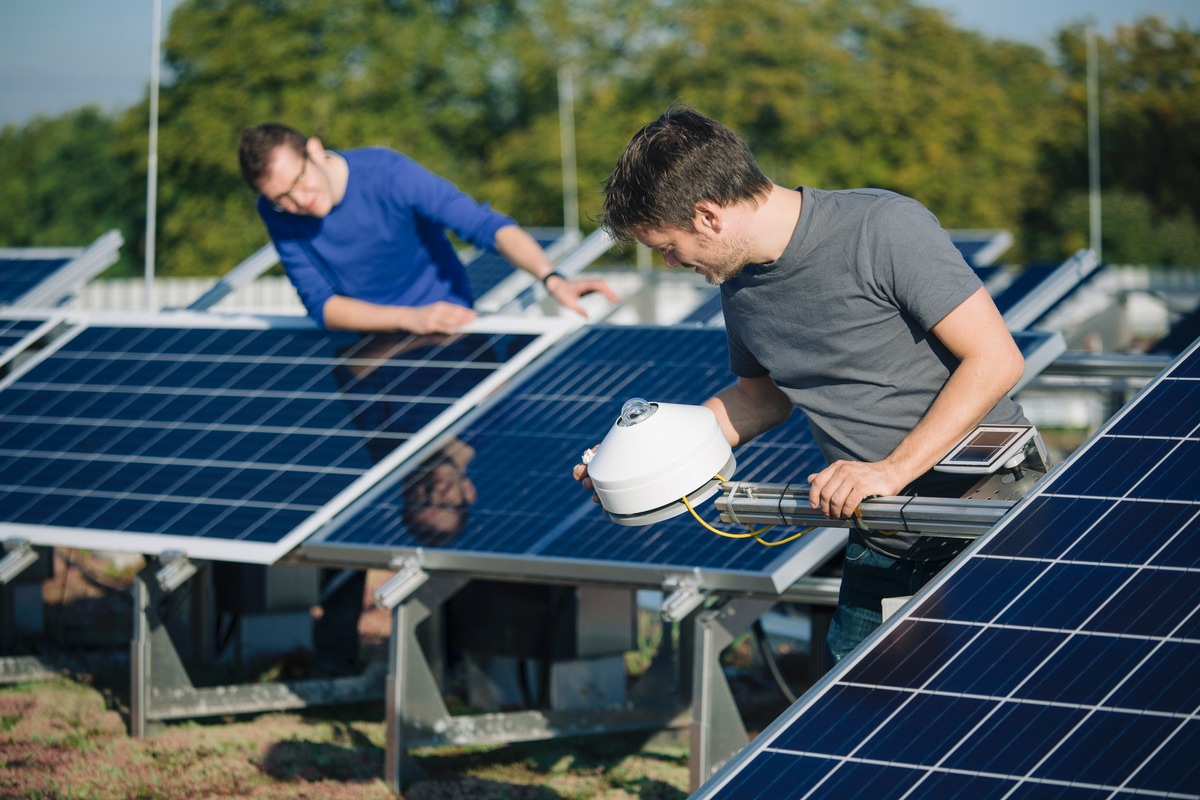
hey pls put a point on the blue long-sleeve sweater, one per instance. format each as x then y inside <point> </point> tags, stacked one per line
<point>385,242</point>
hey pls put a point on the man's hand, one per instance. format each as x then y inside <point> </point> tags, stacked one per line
<point>439,317</point>
<point>567,293</point>
<point>839,488</point>
<point>580,473</point>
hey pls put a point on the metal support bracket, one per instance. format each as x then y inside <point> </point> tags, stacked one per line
<point>176,570</point>
<point>682,596</point>
<point>417,715</point>
<point>19,556</point>
<point>162,689</point>
<point>787,504</point>
<point>717,732</point>
<point>409,577</point>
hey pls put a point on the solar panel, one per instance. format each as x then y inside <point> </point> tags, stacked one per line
<point>227,437</point>
<point>981,248</point>
<point>1055,658</point>
<point>18,330</point>
<point>44,277</point>
<point>244,274</point>
<point>1181,334</point>
<point>707,312</point>
<point>532,519</point>
<point>488,270</point>
<point>1039,288</point>
<point>19,275</point>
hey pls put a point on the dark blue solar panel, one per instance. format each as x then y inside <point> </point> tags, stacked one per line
<point>1026,281</point>
<point>1056,658</point>
<point>708,311</point>
<point>14,331</point>
<point>1180,335</point>
<point>487,270</point>
<point>980,249</point>
<point>19,275</point>
<point>231,434</point>
<point>526,442</point>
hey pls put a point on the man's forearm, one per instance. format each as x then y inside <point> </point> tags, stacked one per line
<point>972,391</point>
<point>348,314</point>
<point>749,408</point>
<point>522,251</point>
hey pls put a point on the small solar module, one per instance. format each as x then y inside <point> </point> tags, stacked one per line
<point>228,438</point>
<point>1056,658</point>
<point>530,518</point>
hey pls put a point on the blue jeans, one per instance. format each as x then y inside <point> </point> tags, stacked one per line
<point>867,578</point>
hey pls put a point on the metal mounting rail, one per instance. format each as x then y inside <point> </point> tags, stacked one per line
<point>787,504</point>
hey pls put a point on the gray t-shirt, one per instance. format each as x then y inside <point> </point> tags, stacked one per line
<point>841,324</point>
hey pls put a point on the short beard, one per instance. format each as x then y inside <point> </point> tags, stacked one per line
<point>724,274</point>
<point>737,257</point>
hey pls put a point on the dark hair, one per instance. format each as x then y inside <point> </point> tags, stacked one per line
<point>414,492</point>
<point>675,162</point>
<point>259,143</point>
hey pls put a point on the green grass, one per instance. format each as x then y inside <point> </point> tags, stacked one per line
<point>59,740</point>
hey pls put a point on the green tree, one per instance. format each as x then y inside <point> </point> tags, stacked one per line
<point>62,184</point>
<point>881,93</point>
<point>1149,111</point>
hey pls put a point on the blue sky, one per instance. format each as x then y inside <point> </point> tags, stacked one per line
<point>56,55</point>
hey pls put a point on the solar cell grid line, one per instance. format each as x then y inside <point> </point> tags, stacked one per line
<point>20,329</point>
<point>228,437</point>
<point>531,518</point>
<point>1056,658</point>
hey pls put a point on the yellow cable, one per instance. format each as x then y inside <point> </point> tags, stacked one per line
<point>714,530</point>
<point>791,538</point>
<point>752,534</point>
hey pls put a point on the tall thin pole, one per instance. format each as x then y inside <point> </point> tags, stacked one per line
<point>152,160</point>
<point>566,128</point>
<point>1093,102</point>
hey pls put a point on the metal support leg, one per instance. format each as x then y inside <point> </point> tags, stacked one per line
<point>139,658</point>
<point>414,701</point>
<point>162,689</point>
<point>717,731</point>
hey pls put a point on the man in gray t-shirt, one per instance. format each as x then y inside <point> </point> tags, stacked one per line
<point>852,306</point>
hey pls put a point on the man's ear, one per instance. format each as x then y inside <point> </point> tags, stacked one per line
<point>315,150</point>
<point>709,217</point>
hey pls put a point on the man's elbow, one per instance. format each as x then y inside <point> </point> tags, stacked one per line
<point>1013,370</point>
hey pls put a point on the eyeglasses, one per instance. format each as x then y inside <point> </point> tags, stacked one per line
<point>277,201</point>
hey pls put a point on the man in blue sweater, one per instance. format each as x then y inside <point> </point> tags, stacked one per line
<point>362,235</point>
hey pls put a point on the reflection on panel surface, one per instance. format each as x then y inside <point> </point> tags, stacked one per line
<point>518,451</point>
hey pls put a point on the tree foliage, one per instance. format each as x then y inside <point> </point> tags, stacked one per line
<point>830,93</point>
